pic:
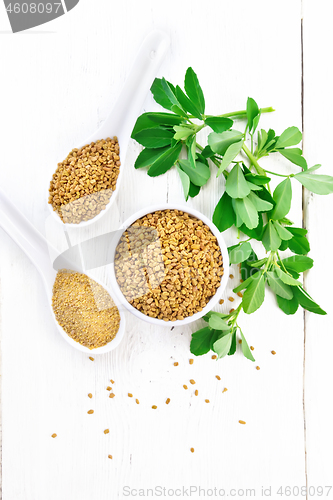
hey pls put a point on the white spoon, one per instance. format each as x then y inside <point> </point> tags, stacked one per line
<point>122,118</point>
<point>35,246</point>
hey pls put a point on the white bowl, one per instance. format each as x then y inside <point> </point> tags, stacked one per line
<point>213,301</point>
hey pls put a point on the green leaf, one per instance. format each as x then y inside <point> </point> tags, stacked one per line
<point>185,181</point>
<point>191,150</point>
<point>246,211</point>
<point>207,152</point>
<point>298,263</point>
<point>257,232</point>
<point>193,90</point>
<point>288,280</point>
<point>233,345</point>
<point>254,295</point>
<point>165,161</point>
<point>247,269</point>
<point>240,252</point>
<point>179,111</point>
<point>278,286</point>
<point>306,301</point>
<point>236,185</point>
<point>319,184</point>
<point>254,187</point>
<point>182,132</point>
<point>271,240</point>
<point>282,197</point>
<point>166,119</point>
<point>200,343</point>
<point>224,215</point>
<point>287,306</point>
<point>230,155</point>
<point>259,263</point>
<point>245,348</point>
<point>298,231</point>
<point>256,122</point>
<point>142,123</point>
<point>290,137</point>
<point>218,123</point>
<point>260,205</point>
<point>295,156</point>
<point>187,104</point>
<point>222,346</point>
<point>170,91</point>
<point>214,313</point>
<point>299,244</point>
<point>252,111</point>
<point>215,336</point>
<point>148,156</point>
<point>262,139</point>
<point>218,323</point>
<point>194,190</point>
<point>259,180</point>
<point>160,95</point>
<point>199,175</point>
<point>154,137</point>
<point>282,231</point>
<point>219,143</point>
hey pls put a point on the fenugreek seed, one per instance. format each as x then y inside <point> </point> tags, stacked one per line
<point>242,422</point>
<point>90,412</point>
<point>110,456</point>
<point>112,381</point>
<point>192,381</point>
<point>273,352</point>
<point>207,401</point>
<point>167,401</point>
<point>175,363</point>
<point>109,388</point>
<point>111,395</point>
<point>240,341</point>
<point>257,367</point>
<point>231,276</point>
<point>214,356</point>
<point>191,361</point>
<point>196,392</point>
<point>221,301</point>
<point>239,294</point>
<point>242,281</point>
<point>90,395</point>
<point>192,450</point>
<point>106,431</point>
<point>252,348</point>
<point>224,390</point>
<point>218,377</point>
<point>54,435</point>
<point>137,401</point>
<point>92,359</point>
<point>154,407</point>
<point>185,386</point>
<point>130,395</point>
<point>231,310</point>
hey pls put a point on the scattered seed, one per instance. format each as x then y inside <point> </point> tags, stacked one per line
<point>242,281</point>
<point>239,294</point>
<point>185,386</point>
<point>221,301</point>
<point>137,401</point>
<point>218,377</point>
<point>224,390</point>
<point>257,367</point>
<point>231,276</point>
<point>273,352</point>
<point>242,422</point>
<point>191,361</point>
<point>111,395</point>
<point>92,359</point>
<point>252,348</point>
<point>90,395</point>
<point>106,431</point>
<point>112,381</point>
<point>196,392</point>
<point>130,395</point>
<point>192,381</point>
<point>240,341</point>
<point>54,435</point>
<point>167,401</point>
<point>154,407</point>
<point>192,450</point>
<point>207,401</point>
<point>214,356</point>
<point>176,363</point>
<point>109,388</point>
<point>90,412</point>
<point>231,299</point>
<point>110,456</point>
<point>231,310</point>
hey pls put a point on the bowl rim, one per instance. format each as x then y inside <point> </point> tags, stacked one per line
<point>224,280</point>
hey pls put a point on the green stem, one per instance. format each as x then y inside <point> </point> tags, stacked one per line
<point>282,264</point>
<point>238,114</point>
<point>274,173</point>
<point>213,160</point>
<point>253,160</point>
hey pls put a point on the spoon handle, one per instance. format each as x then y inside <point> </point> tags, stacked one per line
<point>128,106</point>
<point>26,236</point>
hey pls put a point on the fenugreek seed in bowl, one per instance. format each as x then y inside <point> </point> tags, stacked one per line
<point>84,182</point>
<point>169,265</point>
<point>85,310</point>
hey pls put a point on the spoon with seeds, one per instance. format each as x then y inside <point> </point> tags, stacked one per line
<point>77,202</point>
<point>36,247</point>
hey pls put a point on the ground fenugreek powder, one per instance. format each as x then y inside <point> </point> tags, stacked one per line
<point>83,183</point>
<point>168,265</point>
<point>84,309</point>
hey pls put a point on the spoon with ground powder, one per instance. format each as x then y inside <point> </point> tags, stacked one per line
<point>86,182</point>
<point>84,311</point>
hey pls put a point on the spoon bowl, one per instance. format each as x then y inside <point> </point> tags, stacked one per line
<point>35,246</point>
<point>121,120</point>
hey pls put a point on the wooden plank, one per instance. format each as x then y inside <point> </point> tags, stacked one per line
<point>70,81</point>
<point>318,108</point>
